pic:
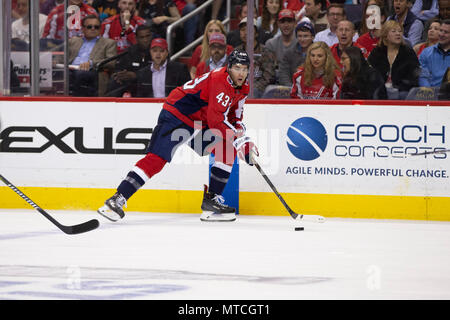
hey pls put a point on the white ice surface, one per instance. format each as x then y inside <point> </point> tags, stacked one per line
<point>175,256</point>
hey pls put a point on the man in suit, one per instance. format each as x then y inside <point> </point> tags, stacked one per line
<point>163,75</point>
<point>85,54</point>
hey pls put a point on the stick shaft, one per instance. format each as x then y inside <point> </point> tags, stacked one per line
<point>430,152</point>
<point>80,228</point>
<point>291,212</point>
<point>294,215</point>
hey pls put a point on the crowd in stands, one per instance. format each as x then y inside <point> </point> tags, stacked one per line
<point>302,49</point>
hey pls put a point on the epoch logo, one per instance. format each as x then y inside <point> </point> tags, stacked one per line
<point>307,138</point>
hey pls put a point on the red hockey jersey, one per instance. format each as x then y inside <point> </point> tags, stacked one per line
<point>112,29</point>
<point>317,90</point>
<point>212,100</point>
<point>368,42</point>
<point>54,26</point>
<point>337,52</point>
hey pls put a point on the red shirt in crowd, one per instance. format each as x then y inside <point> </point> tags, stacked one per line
<point>180,5</point>
<point>317,89</point>
<point>337,52</point>
<point>112,29</point>
<point>54,27</point>
<point>421,48</point>
<point>294,5</point>
<point>368,42</point>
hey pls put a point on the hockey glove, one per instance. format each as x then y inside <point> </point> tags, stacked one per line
<point>240,129</point>
<point>246,149</point>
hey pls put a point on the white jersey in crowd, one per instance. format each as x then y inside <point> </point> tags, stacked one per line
<point>21,31</point>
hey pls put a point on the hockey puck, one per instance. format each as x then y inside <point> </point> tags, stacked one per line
<point>299,228</point>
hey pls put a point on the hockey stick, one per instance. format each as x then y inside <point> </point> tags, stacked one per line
<point>75,229</point>
<point>429,152</point>
<point>305,217</point>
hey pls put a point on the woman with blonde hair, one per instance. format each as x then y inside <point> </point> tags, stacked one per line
<point>201,52</point>
<point>319,77</point>
<point>395,61</point>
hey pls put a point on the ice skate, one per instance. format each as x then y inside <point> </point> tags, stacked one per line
<point>214,208</point>
<point>112,210</point>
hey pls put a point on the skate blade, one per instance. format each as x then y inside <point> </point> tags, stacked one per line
<point>108,214</point>
<point>217,217</point>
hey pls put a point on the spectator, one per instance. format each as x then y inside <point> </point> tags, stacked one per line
<point>14,14</point>
<point>369,16</point>
<point>20,28</point>
<point>432,36</point>
<point>267,23</point>
<point>218,10</point>
<point>14,79</point>
<point>444,90</point>
<point>48,6</point>
<point>335,14</point>
<point>396,62</point>
<point>294,5</point>
<point>54,26</point>
<point>286,40</point>
<point>163,75</point>
<point>106,8</point>
<point>158,14</point>
<point>360,80</point>
<point>86,53</point>
<point>234,36</point>
<point>374,17</point>
<point>444,9</point>
<point>412,26</point>
<point>319,77</point>
<point>190,26</point>
<point>136,57</point>
<point>267,72</point>
<point>201,52</point>
<point>257,47</point>
<point>425,9</point>
<point>218,56</point>
<point>242,27</point>
<point>345,33</point>
<point>315,10</point>
<point>294,57</point>
<point>121,27</point>
<point>435,60</point>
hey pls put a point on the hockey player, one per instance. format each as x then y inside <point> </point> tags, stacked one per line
<point>209,107</point>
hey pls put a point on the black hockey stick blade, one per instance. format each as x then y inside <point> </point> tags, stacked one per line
<point>430,152</point>
<point>294,215</point>
<point>75,229</point>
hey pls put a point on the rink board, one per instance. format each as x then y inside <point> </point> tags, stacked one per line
<point>339,160</point>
